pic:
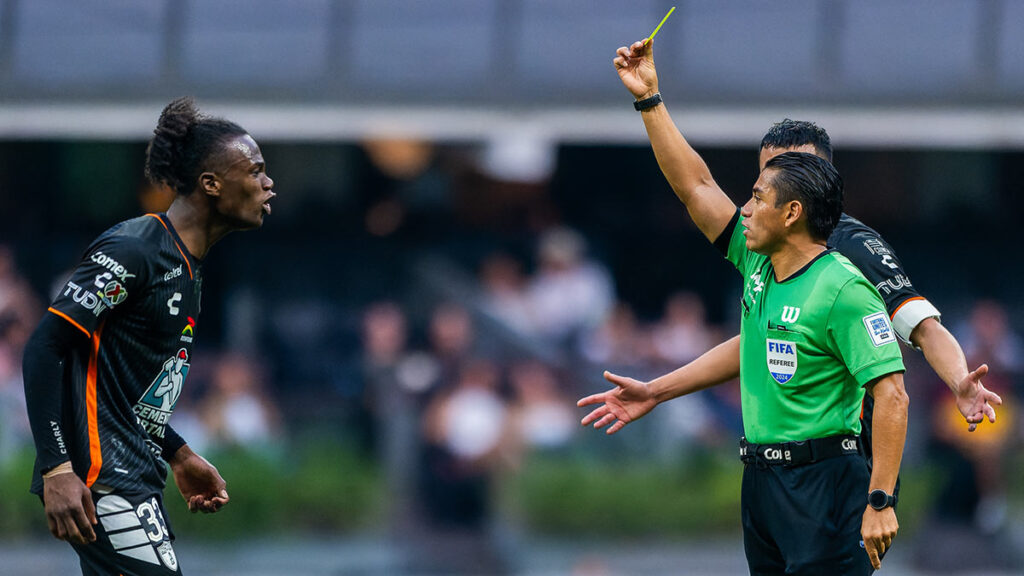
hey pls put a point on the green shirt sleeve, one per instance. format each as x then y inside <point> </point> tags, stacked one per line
<point>737,252</point>
<point>860,333</point>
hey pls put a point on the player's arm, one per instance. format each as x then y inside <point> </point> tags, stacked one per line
<point>70,514</point>
<point>879,527</point>
<point>916,321</point>
<point>684,169</point>
<point>946,357</point>
<point>632,399</point>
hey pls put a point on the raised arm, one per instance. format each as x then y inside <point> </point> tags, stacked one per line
<point>684,169</point>
<point>632,399</point>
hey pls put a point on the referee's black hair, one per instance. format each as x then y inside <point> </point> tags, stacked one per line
<point>814,182</point>
<point>796,133</point>
<point>183,142</point>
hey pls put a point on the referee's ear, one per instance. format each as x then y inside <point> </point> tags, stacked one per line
<point>793,210</point>
<point>209,183</point>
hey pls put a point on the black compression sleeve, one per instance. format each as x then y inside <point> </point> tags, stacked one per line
<point>43,367</point>
<point>170,443</point>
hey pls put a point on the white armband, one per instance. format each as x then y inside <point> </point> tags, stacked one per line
<point>910,314</point>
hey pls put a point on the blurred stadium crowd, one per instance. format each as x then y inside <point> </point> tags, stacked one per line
<point>444,316</point>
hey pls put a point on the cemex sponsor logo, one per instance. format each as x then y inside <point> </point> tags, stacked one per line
<point>156,405</point>
<point>114,266</point>
<point>186,334</point>
<point>172,273</point>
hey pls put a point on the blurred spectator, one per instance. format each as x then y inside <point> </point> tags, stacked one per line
<point>569,293</point>
<point>683,333</point>
<point>392,403</point>
<point>505,295</point>
<point>19,307</point>
<point>19,313</point>
<point>465,428</point>
<point>412,195</point>
<point>618,341</point>
<point>543,414</point>
<point>988,337</point>
<point>237,411</point>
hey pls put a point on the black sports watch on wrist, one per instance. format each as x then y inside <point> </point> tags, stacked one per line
<point>647,103</point>
<point>880,499</point>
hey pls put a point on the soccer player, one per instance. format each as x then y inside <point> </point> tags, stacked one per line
<point>814,337</point>
<point>104,368</point>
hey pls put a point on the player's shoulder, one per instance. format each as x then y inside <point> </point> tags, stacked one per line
<point>135,234</point>
<point>838,271</point>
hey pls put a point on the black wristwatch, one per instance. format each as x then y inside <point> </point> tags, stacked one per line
<point>880,499</point>
<point>647,103</point>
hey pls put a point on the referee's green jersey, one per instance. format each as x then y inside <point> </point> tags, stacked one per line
<point>808,344</point>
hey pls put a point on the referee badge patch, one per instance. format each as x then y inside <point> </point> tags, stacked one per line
<point>781,360</point>
<point>879,329</point>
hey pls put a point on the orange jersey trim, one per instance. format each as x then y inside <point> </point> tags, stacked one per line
<point>69,319</point>
<point>180,251</point>
<point>905,302</point>
<point>95,453</point>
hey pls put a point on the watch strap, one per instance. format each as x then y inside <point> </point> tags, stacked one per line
<point>647,103</point>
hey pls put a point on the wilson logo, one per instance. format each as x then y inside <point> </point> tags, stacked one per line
<point>790,314</point>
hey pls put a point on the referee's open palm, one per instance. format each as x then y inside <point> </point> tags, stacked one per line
<point>628,401</point>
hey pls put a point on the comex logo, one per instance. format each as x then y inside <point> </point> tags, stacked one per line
<point>849,444</point>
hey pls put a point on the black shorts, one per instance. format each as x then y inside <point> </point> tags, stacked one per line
<point>806,519</point>
<point>132,538</point>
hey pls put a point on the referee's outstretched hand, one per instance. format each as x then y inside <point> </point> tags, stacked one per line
<point>878,529</point>
<point>635,65</point>
<point>628,401</point>
<point>70,512</point>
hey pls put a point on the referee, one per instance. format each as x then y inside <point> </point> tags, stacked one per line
<point>814,337</point>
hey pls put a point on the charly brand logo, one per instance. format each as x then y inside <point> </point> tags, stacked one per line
<point>171,304</point>
<point>790,314</point>
<point>186,334</point>
<point>157,404</point>
<point>781,360</point>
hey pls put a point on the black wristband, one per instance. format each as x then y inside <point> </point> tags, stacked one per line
<point>646,103</point>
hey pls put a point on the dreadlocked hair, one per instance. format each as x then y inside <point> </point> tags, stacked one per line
<point>183,142</point>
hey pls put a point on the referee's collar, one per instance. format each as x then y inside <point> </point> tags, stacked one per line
<point>805,267</point>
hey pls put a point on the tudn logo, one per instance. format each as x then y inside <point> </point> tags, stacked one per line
<point>790,314</point>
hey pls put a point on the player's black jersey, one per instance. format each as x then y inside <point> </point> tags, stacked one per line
<point>879,264</point>
<point>136,295</point>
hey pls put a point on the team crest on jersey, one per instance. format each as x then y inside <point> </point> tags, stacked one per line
<point>782,361</point>
<point>156,405</point>
<point>879,329</point>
